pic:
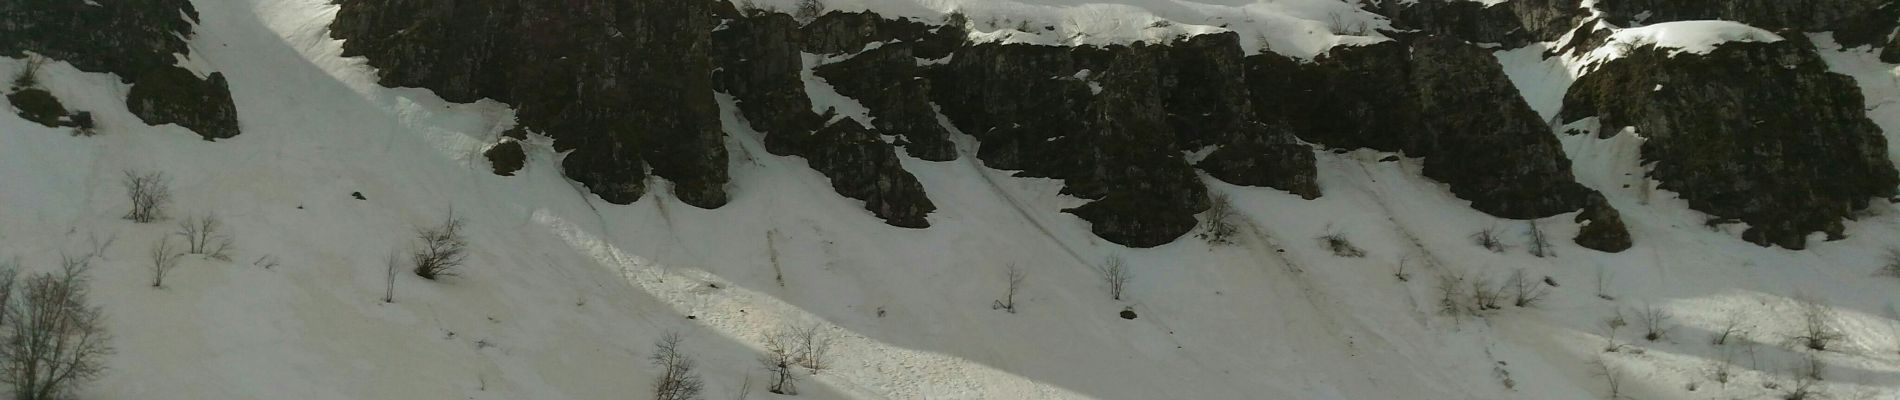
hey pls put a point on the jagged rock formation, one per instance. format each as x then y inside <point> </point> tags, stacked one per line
<point>1759,133</point>
<point>136,40</point>
<point>1207,104</point>
<point>1441,99</point>
<point>760,63</point>
<point>887,81</point>
<point>1511,23</point>
<point>172,95</point>
<point>1800,15</point>
<point>625,85</point>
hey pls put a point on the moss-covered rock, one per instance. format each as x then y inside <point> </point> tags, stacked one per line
<point>173,95</point>
<point>1760,133</point>
<point>38,106</point>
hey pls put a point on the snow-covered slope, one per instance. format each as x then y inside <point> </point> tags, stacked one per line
<point>564,294</point>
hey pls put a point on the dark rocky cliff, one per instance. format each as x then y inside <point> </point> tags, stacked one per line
<point>624,85</point>
<point>1760,133</point>
<point>137,40</point>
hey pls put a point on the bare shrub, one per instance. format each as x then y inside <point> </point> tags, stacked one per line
<point>1539,244</point>
<point>56,340</point>
<point>1116,274</point>
<point>1612,377</point>
<point>443,249</point>
<point>1222,222</point>
<point>1340,246</point>
<point>677,379</point>
<point>1603,278</point>
<point>1731,326</point>
<point>1526,292</point>
<point>150,193</point>
<point>1485,295</point>
<point>1337,24</point>
<point>205,236</point>
<point>29,74</point>
<point>1817,324</point>
<point>808,11</point>
<point>1451,293</point>
<point>1807,376</point>
<point>1488,239</point>
<point>1655,322</point>
<point>1611,325</point>
<point>792,347</point>
<point>164,258</point>
<point>1013,280</point>
<point>390,266</point>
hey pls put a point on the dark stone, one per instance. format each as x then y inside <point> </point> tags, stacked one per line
<point>1603,228</point>
<point>506,157</point>
<point>1762,133</point>
<point>358,195</point>
<point>1147,194</point>
<point>886,80</point>
<point>862,166</point>
<point>1207,104</point>
<point>624,85</point>
<point>1512,24</point>
<point>841,32</point>
<point>760,66</point>
<point>1128,314</point>
<point>173,95</point>
<point>137,40</point>
<point>38,106</point>
<point>1436,98</point>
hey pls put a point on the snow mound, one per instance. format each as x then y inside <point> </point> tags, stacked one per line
<point>1695,37</point>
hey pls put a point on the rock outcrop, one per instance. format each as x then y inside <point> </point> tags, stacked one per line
<point>139,41</point>
<point>1511,23</point>
<point>1799,15</point>
<point>1760,133</point>
<point>1207,103</point>
<point>760,66</point>
<point>624,85</point>
<point>38,106</point>
<point>887,81</point>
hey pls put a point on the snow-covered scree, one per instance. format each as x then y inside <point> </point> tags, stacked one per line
<point>564,295</point>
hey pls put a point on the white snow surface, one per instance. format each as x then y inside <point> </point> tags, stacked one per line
<point>564,293</point>
<point>1693,37</point>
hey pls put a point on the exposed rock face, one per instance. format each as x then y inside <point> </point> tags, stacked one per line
<point>1018,100</point>
<point>1147,194</point>
<point>887,81</point>
<point>173,95</point>
<point>760,64</point>
<point>862,166</point>
<point>136,40</point>
<point>1512,23</point>
<point>1759,133</point>
<point>1801,15</point>
<point>623,84</point>
<point>1603,228</point>
<point>848,32</point>
<point>1207,104</point>
<point>1437,98</point>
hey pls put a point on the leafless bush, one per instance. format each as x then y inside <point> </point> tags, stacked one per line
<point>1611,325</point>
<point>1731,327</point>
<point>1116,274</point>
<point>1222,224</point>
<point>1401,274</point>
<point>1539,243</point>
<point>1723,370</point>
<point>1451,293</point>
<point>1807,376</point>
<point>390,266</point>
<point>808,11</point>
<point>1655,322</point>
<point>677,379</point>
<point>792,347</point>
<point>1817,324</point>
<point>442,250</point>
<point>164,257</point>
<point>1340,246</point>
<point>1526,292</point>
<point>150,193</point>
<point>1488,239</point>
<point>1612,377</point>
<point>29,75</point>
<point>56,341</point>
<point>205,235</point>
<point>1014,282</point>
<point>1337,24</point>
<point>1603,278</point>
<point>1485,295</point>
